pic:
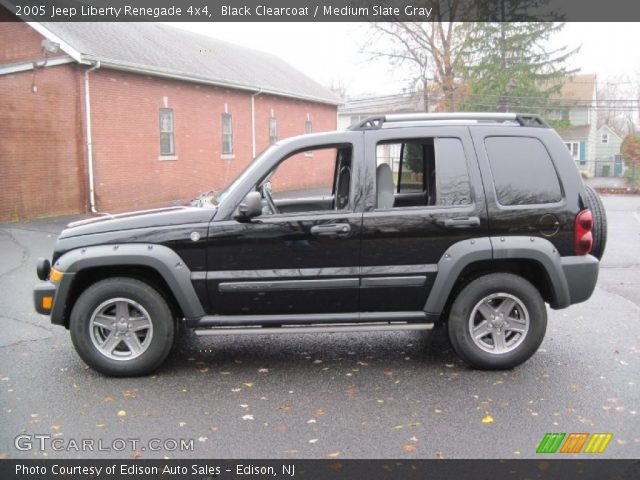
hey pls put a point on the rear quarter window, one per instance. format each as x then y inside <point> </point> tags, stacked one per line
<point>523,172</point>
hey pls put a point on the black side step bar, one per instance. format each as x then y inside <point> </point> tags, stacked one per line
<point>306,319</point>
<point>336,328</point>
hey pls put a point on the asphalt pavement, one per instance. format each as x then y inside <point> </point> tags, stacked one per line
<point>372,395</point>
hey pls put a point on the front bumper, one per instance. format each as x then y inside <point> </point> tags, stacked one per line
<point>43,297</point>
<point>581,273</point>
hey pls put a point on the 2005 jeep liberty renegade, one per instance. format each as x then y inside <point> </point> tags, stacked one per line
<point>403,222</point>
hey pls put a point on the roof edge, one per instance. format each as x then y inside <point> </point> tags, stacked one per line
<point>105,63</point>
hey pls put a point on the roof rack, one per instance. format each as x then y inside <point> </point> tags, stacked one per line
<point>377,122</point>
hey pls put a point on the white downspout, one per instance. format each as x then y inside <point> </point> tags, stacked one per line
<point>253,122</point>
<point>87,112</point>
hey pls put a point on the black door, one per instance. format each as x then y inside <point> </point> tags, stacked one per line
<point>437,200</point>
<point>301,255</point>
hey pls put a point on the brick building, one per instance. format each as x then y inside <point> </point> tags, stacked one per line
<point>118,116</point>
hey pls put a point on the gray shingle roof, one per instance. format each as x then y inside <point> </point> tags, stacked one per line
<point>575,132</point>
<point>163,50</point>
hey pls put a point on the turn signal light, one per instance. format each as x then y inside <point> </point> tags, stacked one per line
<point>47,302</point>
<point>55,275</point>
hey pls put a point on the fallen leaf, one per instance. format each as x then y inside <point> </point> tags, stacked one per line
<point>122,413</point>
<point>263,370</point>
<point>438,411</point>
<point>319,412</point>
<point>108,399</point>
<point>247,417</point>
<point>487,419</point>
<point>439,455</point>
<point>248,384</point>
<point>136,455</point>
<point>235,390</point>
<point>409,448</point>
<point>55,428</point>
<point>182,424</point>
<point>313,440</point>
<point>333,454</point>
<point>203,370</point>
<point>203,439</point>
<point>100,425</point>
<point>313,420</point>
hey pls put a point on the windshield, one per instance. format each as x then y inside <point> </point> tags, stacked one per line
<point>219,197</point>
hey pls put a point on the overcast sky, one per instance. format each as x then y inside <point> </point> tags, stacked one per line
<point>331,52</point>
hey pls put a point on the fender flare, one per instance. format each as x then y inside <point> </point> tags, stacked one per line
<point>463,253</point>
<point>163,260</point>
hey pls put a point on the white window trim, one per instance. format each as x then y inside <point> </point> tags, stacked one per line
<point>570,144</point>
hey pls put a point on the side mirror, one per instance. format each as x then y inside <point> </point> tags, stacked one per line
<point>250,207</point>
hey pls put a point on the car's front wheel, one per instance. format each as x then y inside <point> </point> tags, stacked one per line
<point>497,321</point>
<point>122,327</point>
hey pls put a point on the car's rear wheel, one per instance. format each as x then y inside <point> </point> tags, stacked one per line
<point>497,321</point>
<point>122,327</point>
<point>599,230</point>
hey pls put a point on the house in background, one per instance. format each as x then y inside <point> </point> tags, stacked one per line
<point>608,160</point>
<point>596,151</point>
<point>577,101</point>
<point>114,116</point>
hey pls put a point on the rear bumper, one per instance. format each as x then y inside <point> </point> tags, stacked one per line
<point>581,273</point>
<point>43,296</point>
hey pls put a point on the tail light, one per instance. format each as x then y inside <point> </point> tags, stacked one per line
<point>582,237</point>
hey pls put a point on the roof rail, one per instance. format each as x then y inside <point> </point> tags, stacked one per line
<point>523,119</point>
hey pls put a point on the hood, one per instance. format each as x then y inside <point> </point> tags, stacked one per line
<point>161,217</point>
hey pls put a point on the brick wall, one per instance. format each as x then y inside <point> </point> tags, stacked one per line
<point>129,170</point>
<point>41,157</point>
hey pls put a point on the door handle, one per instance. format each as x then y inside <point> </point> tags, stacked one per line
<point>331,229</point>
<point>462,222</point>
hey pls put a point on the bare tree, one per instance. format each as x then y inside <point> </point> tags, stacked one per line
<point>431,50</point>
<point>617,104</point>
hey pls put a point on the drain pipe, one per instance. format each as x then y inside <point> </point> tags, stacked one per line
<point>87,112</point>
<point>253,121</point>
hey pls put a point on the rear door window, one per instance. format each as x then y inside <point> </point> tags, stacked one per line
<point>427,171</point>
<point>523,172</point>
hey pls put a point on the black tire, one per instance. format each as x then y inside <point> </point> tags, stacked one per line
<point>523,344</point>
<point>147,306</point>
<point>599,230</point>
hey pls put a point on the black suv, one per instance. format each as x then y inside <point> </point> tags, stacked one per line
<point>403,222</point>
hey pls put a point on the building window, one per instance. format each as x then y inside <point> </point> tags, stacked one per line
<point>167,139</point>
<point>574,149</point>
<point>273,130</point>
<point>356,119</point>
<point>227,134</point>
<point>308,126</point>
<point>604,138</point>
